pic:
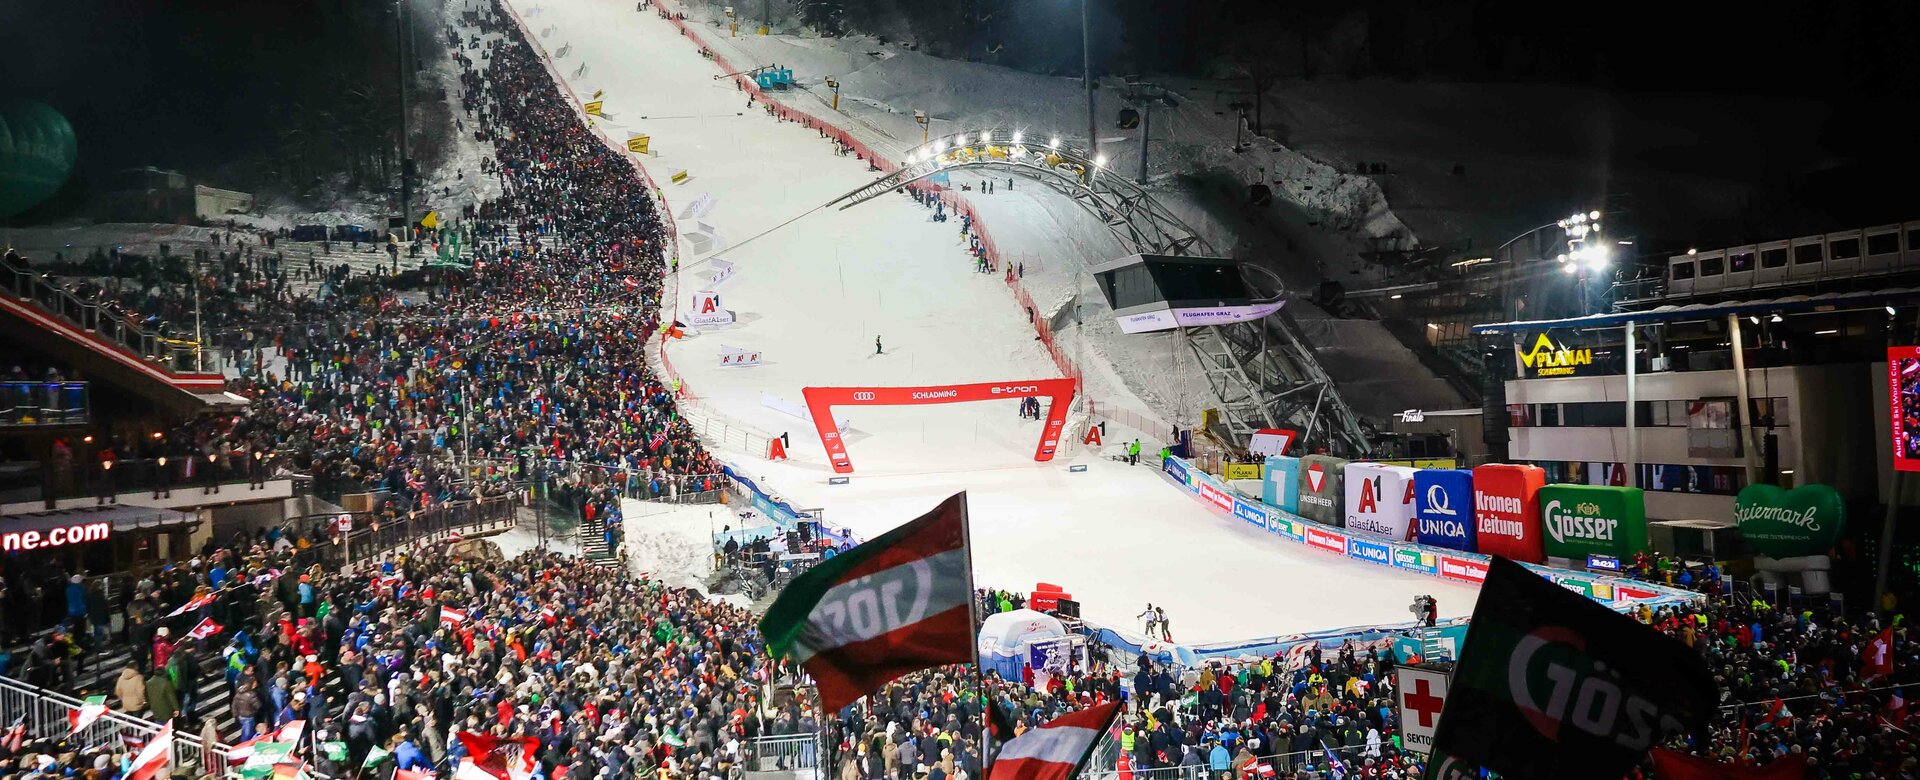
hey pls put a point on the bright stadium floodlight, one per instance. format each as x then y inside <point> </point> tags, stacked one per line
<point>940,146</point>
<point>1597,257</point>
<point>1571,267</point>
<point>1100,162</point>
<point>1016,136</point>
<point>1054,144</point>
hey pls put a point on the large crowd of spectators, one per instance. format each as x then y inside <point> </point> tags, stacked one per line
<point>534,360</point>
<point>530,363</point>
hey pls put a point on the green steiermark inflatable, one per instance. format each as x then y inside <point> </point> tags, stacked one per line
<point>1780,523</point>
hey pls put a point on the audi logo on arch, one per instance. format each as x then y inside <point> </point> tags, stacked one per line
<point>864,395</point>
<point>1015,389</point>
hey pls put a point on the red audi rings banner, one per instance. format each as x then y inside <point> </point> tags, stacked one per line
<point>821,400</point>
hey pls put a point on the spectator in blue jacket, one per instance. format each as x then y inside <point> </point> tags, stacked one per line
<point>1220,762</point>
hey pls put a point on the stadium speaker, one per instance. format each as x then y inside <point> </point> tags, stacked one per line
<point>1129,118</point>
<point>1260,195</point>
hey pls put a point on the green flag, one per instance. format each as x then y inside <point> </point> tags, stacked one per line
<point>375,756</point>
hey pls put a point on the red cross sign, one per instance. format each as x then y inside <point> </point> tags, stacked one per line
<point>1423,694</point>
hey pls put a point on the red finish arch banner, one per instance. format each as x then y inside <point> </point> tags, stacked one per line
<point>821,400</point>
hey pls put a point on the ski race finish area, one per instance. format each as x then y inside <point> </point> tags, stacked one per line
<point>821,400</point>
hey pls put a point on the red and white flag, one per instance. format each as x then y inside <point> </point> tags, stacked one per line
<point>409,774</point>
<point>467,771</point>
<point>549,615</point>
<point>497,758</point>
<point>156,757</point>
<point>204,629</point>
<point>291,732</point>
<point>452,617</point>
<point>90,711</point>
<point>1058,749</point>
<point>1876,660</point>
<point>192,604</point>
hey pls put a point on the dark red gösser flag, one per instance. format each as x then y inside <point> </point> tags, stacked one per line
<point>895,605</point>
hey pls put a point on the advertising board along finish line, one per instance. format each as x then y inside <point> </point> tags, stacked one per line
<point>821,400</point>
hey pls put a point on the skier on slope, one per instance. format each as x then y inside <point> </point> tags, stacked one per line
<point>1151,617</point>
<point>876,346</point>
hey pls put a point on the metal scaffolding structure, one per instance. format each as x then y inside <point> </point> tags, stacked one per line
<point>1261,374</point>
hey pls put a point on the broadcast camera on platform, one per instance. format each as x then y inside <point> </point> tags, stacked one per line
<point>1425,609</point>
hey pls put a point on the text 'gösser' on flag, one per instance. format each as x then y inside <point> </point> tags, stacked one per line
<point>1552,686</point>
<point>895,605</point>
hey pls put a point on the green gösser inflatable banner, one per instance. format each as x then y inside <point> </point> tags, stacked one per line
<point>1779,523</point>
<point>37,150</point>
<point>1582,520</point>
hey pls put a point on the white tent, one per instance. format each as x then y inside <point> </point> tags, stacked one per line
<point>1004,637</point>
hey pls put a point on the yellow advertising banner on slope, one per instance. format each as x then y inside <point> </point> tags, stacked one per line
<point>1241,471</point>
<point>638,143</point>
<point>593,108</point>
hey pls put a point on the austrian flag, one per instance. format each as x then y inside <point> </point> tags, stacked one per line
<point>1056,750</point>
<point>895,605</point>
<point>90,711</point>
<point>452,617</point>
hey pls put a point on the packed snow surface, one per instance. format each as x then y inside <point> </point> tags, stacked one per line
<point>813,296</point>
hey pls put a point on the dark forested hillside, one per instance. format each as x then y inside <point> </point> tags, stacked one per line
<point>1765,47</point>
<point>260,95</point>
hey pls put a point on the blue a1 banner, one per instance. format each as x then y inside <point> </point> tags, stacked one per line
<point>1443,506</point>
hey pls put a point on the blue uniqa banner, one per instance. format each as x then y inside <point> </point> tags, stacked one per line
<point>1280,485</point>
<point>1443,508</point>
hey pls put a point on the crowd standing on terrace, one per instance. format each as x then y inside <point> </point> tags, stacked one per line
<point>534,360</point>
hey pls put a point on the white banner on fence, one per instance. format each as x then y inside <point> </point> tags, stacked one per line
<point>707,312</point>
<point>698,208</point>
<point>735,356</point>
<point>798,410</point>
<point>722,271</point>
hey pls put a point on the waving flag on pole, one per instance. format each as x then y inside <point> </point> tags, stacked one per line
<point>452,617</point>
<point>205,628</point>
<point>1058,749</point>
<point>1336,768</point>
<point>502,758</point>
<point>197,601</point>
<point>895,605</point>
<point>156,757</point>
<point>1877,660</point>
<point>90,711</point>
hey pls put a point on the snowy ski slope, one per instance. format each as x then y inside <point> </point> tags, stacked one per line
<point>813,296</point>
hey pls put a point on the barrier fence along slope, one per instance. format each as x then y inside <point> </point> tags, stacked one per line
<point>956,203</point>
